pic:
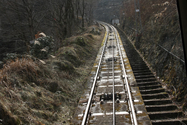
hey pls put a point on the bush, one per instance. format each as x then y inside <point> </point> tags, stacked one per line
<point>43,47</point>
<point>11,56</point>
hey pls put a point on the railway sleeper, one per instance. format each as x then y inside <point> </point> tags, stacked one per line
<point>170,122</point>
<point>155,96</point>
<point>148,83</point>
<point>136,73</point>
<point>140,68</point>
<point>150,87</point>
<point>158,101</point>
<point>166,107</point>
<point>139,64</point>
<point>145,79</point>
<point>165,115</point>
<point>152,91</point>
<point>144,76</point>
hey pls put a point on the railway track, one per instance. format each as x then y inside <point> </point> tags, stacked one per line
<point>113,97</point>
<point>122,89</point>
<point>160,108</point>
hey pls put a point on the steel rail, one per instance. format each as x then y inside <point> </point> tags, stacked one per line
<point>113,89</point>
<point>94,83</point>
<point>134,118</point>
<point>114,118</point>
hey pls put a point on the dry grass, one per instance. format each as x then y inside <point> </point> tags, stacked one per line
<point>38,94</point>
<point>24,66</point>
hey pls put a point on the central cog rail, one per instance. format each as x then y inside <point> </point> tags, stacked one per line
<point>113,98</point>
<point>131,105</point>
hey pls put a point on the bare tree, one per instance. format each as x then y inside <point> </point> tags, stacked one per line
<point>90,5</point>
<point>77,8</point>
<point>62,17</point>
<point>22,19</point>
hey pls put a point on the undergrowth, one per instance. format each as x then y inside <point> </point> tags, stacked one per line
<point>47,93</point>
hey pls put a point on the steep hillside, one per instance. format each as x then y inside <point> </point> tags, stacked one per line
<point>159,43</point>
<point>38,92</point>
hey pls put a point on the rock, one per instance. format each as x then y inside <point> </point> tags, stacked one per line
<point>53,56</point>
<point>42,34</point>
<point>36,42</point>
<point>42,62</point>
<point>45,49</point>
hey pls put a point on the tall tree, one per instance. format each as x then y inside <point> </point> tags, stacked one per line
<point>22,18</point>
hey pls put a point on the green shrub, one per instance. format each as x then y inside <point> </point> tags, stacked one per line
<point>44,46</point>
